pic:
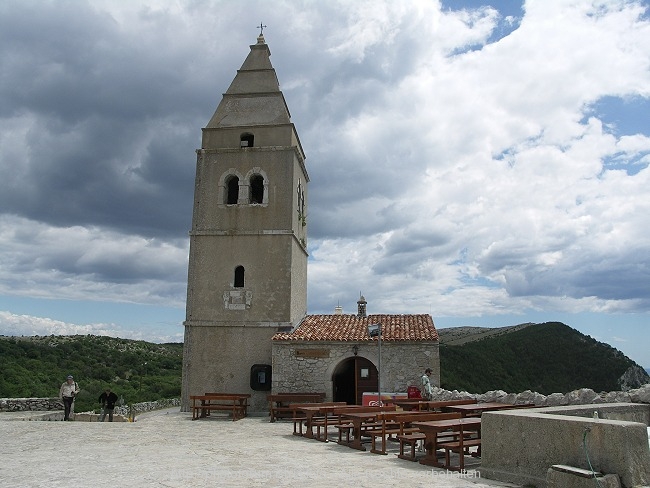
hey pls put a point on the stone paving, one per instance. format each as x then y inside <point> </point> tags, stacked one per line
<point>168,449</point>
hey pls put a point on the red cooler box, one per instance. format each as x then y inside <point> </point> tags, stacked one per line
<point>413,392</point>
<point>370,399</point>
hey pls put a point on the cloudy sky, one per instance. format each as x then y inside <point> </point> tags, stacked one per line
<point>482,161</point>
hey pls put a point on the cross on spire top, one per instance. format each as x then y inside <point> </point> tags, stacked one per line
<point>261,28</point>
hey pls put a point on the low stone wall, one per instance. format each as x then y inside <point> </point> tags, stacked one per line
<point>137,408</point>
<point>30,404</point>
<point>519,446</point>
<point>51,404</point>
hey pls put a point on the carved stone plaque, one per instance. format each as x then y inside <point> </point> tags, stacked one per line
<point>237,299</point>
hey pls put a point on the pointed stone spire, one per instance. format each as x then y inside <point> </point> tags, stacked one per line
<point>254,96</point>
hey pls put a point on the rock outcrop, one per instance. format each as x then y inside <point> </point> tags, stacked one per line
<point>634,377</point>
<point>582,396</point>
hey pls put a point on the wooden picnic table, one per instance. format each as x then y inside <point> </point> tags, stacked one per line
<point>476,409</point>
<point>310,412</point>
<point>400,424</point>
<point>280,403</point>
<point>357,418</point>
<point>458,426</point>
<point>235,403</point>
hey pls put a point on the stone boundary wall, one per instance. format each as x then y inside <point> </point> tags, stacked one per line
<point>47,404</point>
<point>147,406</point>
<point>583,396</point>
<point>30,404</point>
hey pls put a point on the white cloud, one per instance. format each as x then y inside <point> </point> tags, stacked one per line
<point>27,325</point>
<point>86,262</point>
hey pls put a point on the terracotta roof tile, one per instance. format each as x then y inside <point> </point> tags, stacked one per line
<point>354,328</point>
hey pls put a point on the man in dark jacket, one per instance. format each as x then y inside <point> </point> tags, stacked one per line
<point>107,399</point>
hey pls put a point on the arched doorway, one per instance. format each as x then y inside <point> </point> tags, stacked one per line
<point>352,378</point>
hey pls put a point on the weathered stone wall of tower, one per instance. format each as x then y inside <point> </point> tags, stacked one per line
<point>218,359</point>
<point>248,260</point>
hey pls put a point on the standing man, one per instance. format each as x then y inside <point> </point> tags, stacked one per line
<point>107,399</point>
<point>67,393</point>
<point>427,390</point>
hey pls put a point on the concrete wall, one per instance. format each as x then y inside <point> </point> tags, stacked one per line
<point>519,446</point>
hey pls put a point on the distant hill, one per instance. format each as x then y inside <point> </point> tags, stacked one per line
<point>454,336</point>
<point>547,358</point>
<point>135,370</point>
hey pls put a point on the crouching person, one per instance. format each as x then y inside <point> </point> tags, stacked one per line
<point>107,399</point>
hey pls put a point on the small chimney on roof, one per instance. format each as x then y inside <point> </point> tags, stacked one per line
<point>361,306</point>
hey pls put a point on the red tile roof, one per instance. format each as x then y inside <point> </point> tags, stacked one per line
<point>354,328</point>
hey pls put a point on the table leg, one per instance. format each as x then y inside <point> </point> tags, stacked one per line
<point>431,447</point>
<point>297,422</point>
<point>323,437</point>
<point>356,432</point>
<point>309,430</point>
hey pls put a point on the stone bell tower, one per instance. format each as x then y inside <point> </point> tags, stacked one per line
<point>247,276</point>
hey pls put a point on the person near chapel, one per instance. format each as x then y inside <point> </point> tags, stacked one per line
<point>67,393</point>
<point>426,388</point>
<point>107,399</point>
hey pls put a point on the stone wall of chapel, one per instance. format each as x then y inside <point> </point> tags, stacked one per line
<point>402,364</point>
<point>405,364</point>
<point>302,374</point>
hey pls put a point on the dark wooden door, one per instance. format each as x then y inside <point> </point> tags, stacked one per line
<point>352,377</point>
<point>366,378</point>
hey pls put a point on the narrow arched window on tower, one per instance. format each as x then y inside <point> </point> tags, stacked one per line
<point>232,190</point>
<point>256,189</point>
<point>239,277</point>
<point>246,140</point>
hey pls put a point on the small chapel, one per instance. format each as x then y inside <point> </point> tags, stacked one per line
<point>246,328</point>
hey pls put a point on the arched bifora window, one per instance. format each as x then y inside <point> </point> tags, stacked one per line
<point>239,277</point>
<point>256,186</point>
<point>232,190</point>
<point>246,140</point>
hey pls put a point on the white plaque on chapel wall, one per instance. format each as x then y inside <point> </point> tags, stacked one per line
<point>237,299</point>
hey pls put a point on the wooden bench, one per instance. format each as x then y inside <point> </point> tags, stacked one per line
<point>345,428</point>
<point>461,446</point>
<point>280,403</point>
<point>409,440</point>
<point>399,424</point>
<point>234,403</point>
<point>242,397</point>
<point>300,416</point>
<point>352,419</point>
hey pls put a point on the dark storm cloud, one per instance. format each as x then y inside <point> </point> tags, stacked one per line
<point>110,124</point>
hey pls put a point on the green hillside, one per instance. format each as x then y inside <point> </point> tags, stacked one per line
<point>546,358</point>
<point>136,370</point>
